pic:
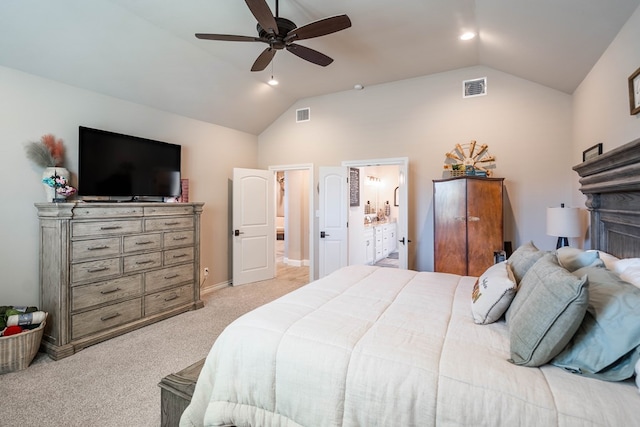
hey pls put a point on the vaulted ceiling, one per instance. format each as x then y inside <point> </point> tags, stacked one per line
<point>145,51</point>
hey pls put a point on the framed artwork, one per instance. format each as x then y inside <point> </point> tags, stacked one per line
<point>354,187</point>
<point>634,92</point>
<point>592,152</point>
<point>396,201</point>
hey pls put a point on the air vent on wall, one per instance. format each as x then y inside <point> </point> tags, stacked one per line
<point>475,87</point>
<point>303,115</point>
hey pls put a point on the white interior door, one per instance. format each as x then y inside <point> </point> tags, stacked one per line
<point>332,221</point>
<point>253,231</point>
<point>403,216</point>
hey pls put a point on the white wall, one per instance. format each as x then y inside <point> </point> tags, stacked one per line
<point>601,102</point>
<point>31,107</point>
<point>527,127</point>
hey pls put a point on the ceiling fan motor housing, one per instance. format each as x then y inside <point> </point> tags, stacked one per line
<point>277,41</point>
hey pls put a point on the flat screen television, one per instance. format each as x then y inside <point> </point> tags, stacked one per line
<point>124,167</point>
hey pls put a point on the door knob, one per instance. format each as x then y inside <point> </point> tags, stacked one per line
<point>238,232</point>
<point>323,235</point>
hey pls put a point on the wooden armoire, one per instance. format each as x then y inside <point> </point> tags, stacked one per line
<point>468,221</point>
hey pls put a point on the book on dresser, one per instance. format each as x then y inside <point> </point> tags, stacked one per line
<point>107,269</point>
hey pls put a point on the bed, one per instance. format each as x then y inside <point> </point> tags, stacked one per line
<point>371,346</point>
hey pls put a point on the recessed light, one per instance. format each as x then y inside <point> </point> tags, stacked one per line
<point>467,36</point>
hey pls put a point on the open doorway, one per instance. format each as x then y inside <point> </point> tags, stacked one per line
<point>373,231</point>
<point>293,221</point>
<point>378,222</point>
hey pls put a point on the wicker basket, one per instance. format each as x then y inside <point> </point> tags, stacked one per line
<point>17,351</point>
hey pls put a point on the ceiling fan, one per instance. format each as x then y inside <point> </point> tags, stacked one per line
<point>280,33</point>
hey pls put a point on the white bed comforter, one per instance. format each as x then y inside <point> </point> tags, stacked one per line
<point>370,346</point>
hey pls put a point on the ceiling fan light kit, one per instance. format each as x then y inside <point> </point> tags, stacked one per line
<point>281,33</point>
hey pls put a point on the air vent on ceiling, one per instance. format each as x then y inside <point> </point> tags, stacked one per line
<point>475,87</point>
<point>303,115</point>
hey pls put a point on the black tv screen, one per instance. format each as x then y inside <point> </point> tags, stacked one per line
<point>124,166</point>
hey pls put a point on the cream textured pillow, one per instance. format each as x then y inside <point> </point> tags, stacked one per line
<point>492,294</point>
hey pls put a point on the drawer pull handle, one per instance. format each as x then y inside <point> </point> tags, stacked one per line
<point>172,297</point>
<point>144,262</point>
<point>460,218</point>
<point>110,291</point>
<point>173,276</point>
<point>110,227</point>
<point>144,243</point>
<point>474,218</point>
<point>180,256</point>
<point>97,248</point>
<point>180,238</point>
<point>172,223</point>
<point>95,270</point>
<point>109,317</point>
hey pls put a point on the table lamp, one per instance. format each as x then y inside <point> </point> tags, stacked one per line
<point>564,223</point>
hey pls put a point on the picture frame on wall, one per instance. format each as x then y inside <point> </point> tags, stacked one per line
<point>634,92</point>
<point>592,152</point>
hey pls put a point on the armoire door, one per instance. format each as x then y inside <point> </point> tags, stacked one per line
<point>450,232</point>
<point>484,223</point>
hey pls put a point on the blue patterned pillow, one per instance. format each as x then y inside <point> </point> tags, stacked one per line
<point>607,344</point>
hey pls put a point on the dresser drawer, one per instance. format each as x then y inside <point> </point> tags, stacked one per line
<point>92,270</point>
<point>161,301</point>
<point>106,291</point>
<point>159,279</point>
<point>142,242</point>
<point>168,224</point>
<point>178,238</point>
<point>105,317</point>
<point>135,263</point>
<point>100,228</point>
<point>106,211</point>
<point>83,249</point>
<point>165,209</point>
<point>177,256</point>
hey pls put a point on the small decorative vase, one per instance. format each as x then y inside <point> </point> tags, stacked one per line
<point>50,192</point>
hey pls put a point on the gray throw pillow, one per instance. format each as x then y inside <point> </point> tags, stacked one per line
<point>607,344</point>
<point>573,258</point>
<point>546,312</point>
<point>522,259</point>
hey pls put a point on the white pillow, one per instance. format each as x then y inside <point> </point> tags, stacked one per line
<point>492,294</point>
<point>629,270</point>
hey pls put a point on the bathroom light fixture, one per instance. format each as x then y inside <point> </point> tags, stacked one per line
<point>467,35</point>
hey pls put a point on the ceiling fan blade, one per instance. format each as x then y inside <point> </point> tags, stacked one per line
<point>262,13</point>
<point>319,28</point>
<point>228,38</point>
<point>309,54</point>
<point>263,59</point>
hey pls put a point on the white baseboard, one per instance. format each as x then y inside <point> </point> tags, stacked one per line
<point>296,262</point>
<point>204,290</point>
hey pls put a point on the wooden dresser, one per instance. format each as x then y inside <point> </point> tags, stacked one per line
<point>109,268</point>
<point>468,224</point>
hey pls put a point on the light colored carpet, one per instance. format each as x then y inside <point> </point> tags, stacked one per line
<point>115,383</point>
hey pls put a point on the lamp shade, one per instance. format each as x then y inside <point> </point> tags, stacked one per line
<point>563,222</point>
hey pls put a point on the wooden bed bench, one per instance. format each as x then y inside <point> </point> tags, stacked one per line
<point>177,390</point>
